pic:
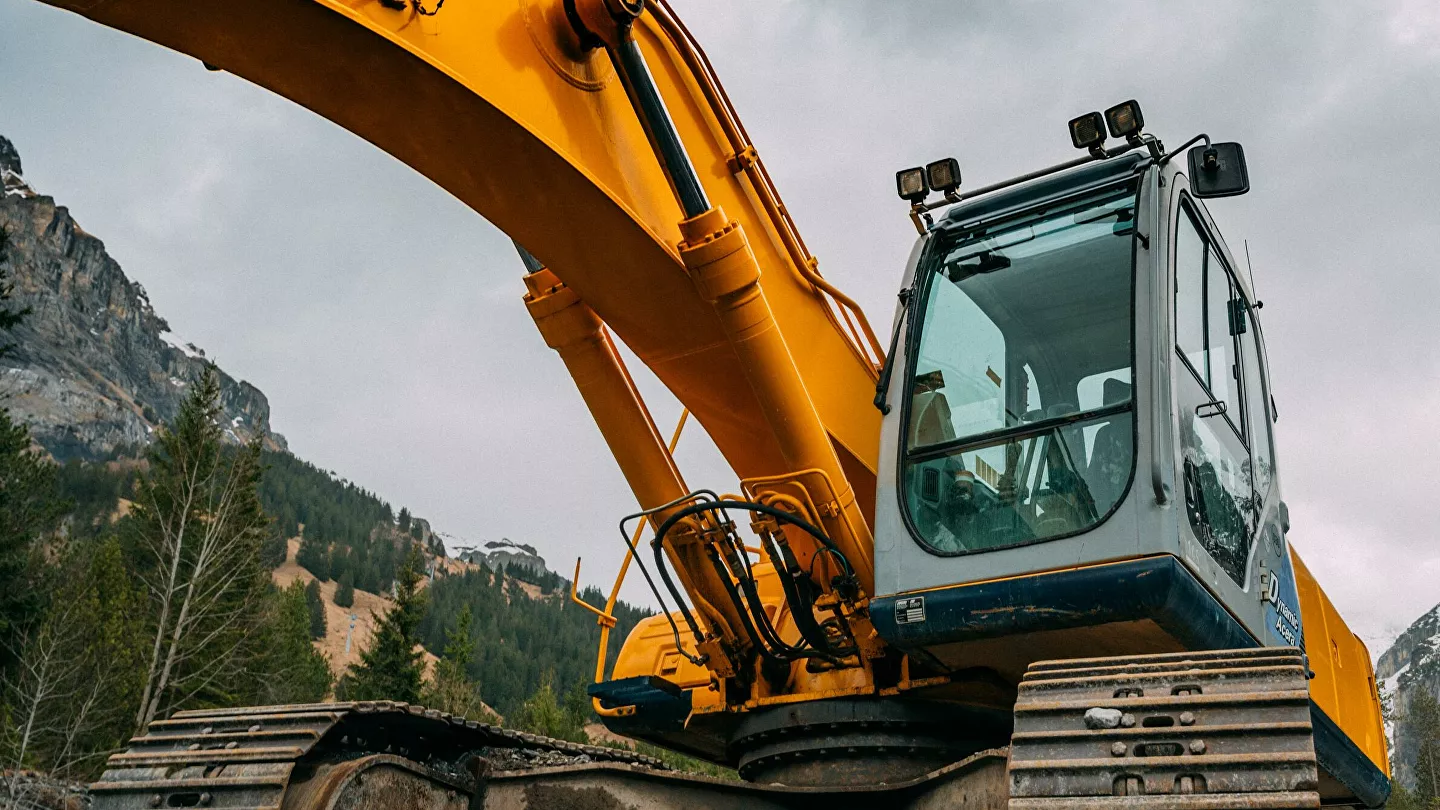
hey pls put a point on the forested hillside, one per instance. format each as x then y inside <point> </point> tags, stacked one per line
<point>349,534</point>
<point>521,643</point>
<point>145,506</point>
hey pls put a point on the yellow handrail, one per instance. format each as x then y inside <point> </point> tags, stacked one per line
<point>606,618</point>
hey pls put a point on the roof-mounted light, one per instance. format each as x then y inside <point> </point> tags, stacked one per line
<point>911,186</point>
<point>1125,120</point>
<point>944,175</point>
<point>1088,132</point>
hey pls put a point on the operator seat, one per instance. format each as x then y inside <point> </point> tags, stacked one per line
<point>1112,455</point>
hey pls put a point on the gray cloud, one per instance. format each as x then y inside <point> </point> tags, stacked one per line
<point>383,318</point>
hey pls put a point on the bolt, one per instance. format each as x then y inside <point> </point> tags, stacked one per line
<point>1118,749</point>
<point>193,746</point>
<point>1197,747</point>
<point>230,745</point>
<point>1128,720</point>
<point>155,800</point>
<point>254,728</point>
<point>205,799</point>
<point>1187,718</point>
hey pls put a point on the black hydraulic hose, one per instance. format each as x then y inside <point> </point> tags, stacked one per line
<point>670,586</point>
<point>746,620</point>
<point>756,606</point>
<point>810,629</point>
<point>805,623</point>
<point>746,506</point>
<point>674,628</point>
<point>791,587</point>
<point>680,602</point>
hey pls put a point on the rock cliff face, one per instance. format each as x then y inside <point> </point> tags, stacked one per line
<point>1411,665</point>
<point>92,368</point>
<point>504,553</point>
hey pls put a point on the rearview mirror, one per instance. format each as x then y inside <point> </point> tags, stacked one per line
<point>1218,170</point>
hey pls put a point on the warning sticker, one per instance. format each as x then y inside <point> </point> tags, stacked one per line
<point>910,610</point>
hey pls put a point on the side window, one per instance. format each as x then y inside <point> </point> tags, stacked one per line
<point>1219,498</point>
<point>1257,411</point>
<point>1219,342</point>
<point>1190,294</point>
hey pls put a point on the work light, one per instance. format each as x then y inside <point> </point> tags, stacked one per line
<point>944,175</point>
<point>1088,131</point>
<point>1124,119</point>
<point>910,183</point>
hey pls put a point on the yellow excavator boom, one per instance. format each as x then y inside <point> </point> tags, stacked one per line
<point>498,103</point>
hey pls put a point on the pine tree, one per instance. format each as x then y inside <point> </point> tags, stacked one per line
<point>451,689</point>
<point>404,519</point>
<point>391,669</point>
<point>1423,716</point>
<point>295,672</point>
<point>29,510</point>
<point>345,590</point>
<point>71,694</point>
<point>314,555</point>
<point>315,607</point>
<point>543,714</point>
<point>197,531</point>
<point>275,551</point>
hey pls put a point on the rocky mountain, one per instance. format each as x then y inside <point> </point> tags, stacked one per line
<point>1409,666</point>
<point>93,367</point>
<point>505,553</point>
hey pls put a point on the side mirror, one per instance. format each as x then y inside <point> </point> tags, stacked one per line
<point>1218,170</point>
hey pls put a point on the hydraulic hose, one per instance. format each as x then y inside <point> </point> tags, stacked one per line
<point>751,609</point>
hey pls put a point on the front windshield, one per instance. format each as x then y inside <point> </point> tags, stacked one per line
<point>1019,425</point>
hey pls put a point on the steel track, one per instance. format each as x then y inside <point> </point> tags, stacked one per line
<point>1191,731</point>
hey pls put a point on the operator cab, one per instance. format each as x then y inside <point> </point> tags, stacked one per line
<point>1078,425</point>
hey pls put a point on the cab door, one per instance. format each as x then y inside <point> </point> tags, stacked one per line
<point>1226,472</point>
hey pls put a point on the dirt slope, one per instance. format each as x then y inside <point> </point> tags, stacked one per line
<point>366,613</point>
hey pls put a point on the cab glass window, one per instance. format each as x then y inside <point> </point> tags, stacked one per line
<point>1257,408</point>
<point>1019,424</point>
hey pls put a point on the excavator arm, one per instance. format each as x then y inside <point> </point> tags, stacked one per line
<point>498,103</point>
<point>528,116</point>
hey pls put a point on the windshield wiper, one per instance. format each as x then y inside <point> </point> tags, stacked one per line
<point>882,386</point>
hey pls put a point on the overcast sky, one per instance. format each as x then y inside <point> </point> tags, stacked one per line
<point>382,317</point>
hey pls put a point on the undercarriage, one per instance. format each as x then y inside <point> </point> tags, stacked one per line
<point>1183,731</point>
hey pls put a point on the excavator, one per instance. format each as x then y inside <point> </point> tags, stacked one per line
<point>1028,551</point>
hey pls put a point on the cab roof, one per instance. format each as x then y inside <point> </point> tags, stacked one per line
<point>1043,188</point>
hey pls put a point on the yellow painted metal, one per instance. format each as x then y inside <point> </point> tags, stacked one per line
<point>573,330</point>
<point>1344,684</point>
<point>496,102</point>
<point>718,256</point>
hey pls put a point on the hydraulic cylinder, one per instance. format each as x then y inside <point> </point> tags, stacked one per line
<point>571,328</point>
<point>723,267</point>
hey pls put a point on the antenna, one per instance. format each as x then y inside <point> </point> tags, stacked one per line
<point>1258,303</point>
